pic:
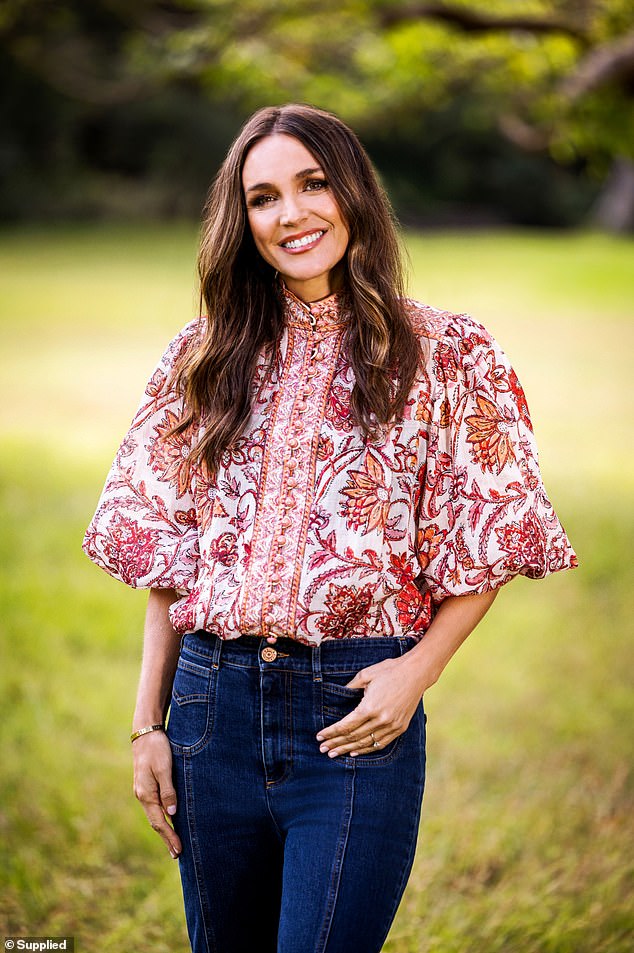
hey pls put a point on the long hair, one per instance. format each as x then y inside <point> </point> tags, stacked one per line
<point>244,302</point>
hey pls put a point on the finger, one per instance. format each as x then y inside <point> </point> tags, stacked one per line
<point>354,737</point>
<point>167,792</point>
<point>158,823</point>
<point>359,681</point>
<point>365,675</point>
<point>355,749</point>
<point>354,723</point>
<point>146,790</point>
<point>372,745</point>
<point>342,744</point>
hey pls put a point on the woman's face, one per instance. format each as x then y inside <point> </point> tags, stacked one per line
<point>295,221</point>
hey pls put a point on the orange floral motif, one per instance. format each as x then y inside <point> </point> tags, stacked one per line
<point>325,448</point>
<point>445,363</point>
<point>424,408</point>
<point>368,497</point>
<point>429,542</point>
<point>446,418</point>
<point>520,399</point>
<point>489,436</point>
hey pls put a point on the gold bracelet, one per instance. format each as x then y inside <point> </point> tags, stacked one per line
<point>145,731</point>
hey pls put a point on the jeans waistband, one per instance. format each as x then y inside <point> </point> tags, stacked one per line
<point>331,656</point>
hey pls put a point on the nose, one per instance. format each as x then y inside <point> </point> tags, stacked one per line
<point>291,210</point>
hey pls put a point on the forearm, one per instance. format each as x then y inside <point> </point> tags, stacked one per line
<point>161,646</point>
<point>456,618</point>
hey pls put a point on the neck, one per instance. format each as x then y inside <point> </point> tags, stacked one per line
<point>316,289</point>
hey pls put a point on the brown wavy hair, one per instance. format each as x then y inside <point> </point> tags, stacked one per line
<point>244,302</point>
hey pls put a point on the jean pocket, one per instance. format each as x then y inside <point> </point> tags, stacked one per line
<point>192,706</point>
<point>337,701</point>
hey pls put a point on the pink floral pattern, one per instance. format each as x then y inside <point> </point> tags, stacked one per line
<point>311,531</point>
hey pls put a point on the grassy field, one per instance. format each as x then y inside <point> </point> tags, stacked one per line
<point>526,841</point>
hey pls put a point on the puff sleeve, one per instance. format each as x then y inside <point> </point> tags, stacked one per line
<point>484,513</point>
<point>144,531</point>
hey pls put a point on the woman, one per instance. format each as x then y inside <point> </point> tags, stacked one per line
<point>324,488</point>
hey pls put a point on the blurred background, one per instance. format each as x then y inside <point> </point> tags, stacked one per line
<point>504,112</point>
<point>504,134</point>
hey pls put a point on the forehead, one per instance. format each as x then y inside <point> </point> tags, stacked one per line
<point>276,157</point>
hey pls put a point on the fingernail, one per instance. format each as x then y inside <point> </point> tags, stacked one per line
<point>333,754</point>
<point>353,754</point>
<point>323,748</point>
<point>320,737</point>
<point>171,809</point>
<point>174,855</point>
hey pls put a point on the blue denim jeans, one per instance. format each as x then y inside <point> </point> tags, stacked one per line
<point>286,850</point>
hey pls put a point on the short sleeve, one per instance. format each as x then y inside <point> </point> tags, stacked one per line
<point>484,514</point>
<point>144,531</point>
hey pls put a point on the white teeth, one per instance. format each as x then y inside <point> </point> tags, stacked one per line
<point>306,240</point>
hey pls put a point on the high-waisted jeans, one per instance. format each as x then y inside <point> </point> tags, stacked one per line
<point>286,850</point>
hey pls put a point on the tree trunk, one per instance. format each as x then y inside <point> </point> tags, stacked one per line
<point>614,209</point>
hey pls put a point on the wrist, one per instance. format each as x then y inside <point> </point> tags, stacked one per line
<point>427,668</point>
<point>148,716</point>
<point>147,730</point>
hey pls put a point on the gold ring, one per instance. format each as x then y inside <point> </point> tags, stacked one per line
<point>375,743</point>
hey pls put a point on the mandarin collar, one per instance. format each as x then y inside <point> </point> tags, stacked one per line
<point>327,314</point>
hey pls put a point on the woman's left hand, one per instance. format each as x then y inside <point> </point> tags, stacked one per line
<point>393,688</point>
<point>392,692</point>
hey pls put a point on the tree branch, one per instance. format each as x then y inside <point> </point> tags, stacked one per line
<point>612,62</point>
<point>473,21</point>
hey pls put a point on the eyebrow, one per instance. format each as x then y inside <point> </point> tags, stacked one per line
<point>298,175</point>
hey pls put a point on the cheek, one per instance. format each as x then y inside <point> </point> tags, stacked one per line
<point>259,234</point>
<point>337,219</point>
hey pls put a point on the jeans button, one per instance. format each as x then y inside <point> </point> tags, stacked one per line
<point>269,654</point>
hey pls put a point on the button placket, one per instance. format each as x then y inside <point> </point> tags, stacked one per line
<point>288,500</point>
<point>304,378</point>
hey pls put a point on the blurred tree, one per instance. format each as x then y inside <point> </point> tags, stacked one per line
<point>555,78</point>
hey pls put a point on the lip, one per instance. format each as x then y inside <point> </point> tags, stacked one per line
<point>294,238</point>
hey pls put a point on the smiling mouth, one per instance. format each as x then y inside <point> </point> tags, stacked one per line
<point>297,244</point>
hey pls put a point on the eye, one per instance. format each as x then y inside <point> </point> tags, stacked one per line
<point>316,185</point>
<point>259,201</point>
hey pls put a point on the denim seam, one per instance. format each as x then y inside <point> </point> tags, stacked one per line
<point>409,860</point>
<point>203,899</point>
<point>210,698</point>
<point>337,867</point>
<point>187,665</point>
<point>288,751</point>
<point>229,664</point>
<point>191,651</point>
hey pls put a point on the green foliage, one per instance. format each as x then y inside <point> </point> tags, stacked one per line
<point>126,108</point>
<point>380,58</point>
<point>528,815</point>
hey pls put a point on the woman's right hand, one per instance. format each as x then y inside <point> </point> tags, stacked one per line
<point>153,785</point>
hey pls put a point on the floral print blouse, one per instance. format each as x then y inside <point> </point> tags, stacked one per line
<point>311,531</point>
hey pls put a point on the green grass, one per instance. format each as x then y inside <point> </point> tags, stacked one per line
<point>527,829</point>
